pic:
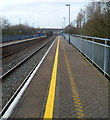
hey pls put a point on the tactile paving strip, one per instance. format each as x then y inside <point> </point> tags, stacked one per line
<point>91,95</point>
<point>66,105</point>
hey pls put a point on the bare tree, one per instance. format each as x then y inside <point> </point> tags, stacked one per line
<point>95,19</point>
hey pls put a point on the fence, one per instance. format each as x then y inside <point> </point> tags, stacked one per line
<point>98,53</point>
<point>18,37</point>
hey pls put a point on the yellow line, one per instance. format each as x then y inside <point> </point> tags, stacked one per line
<point>50,100</point>
<point>76,98</point>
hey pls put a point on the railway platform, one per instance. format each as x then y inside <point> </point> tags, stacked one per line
<point>66,85</point>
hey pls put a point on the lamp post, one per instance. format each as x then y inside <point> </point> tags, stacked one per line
<point>62,32</point>
<point>69,22</point>
<point>32,29</point>
<point>20,27</point>
<point>64,21</point>
<point>64,24</point>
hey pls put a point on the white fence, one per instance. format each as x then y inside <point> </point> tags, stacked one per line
<point>98,53</point>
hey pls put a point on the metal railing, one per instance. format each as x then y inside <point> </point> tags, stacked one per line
<point>9,38</point>
<point>98,53</point>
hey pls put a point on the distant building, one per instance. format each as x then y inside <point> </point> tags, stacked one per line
<point>52,31</point>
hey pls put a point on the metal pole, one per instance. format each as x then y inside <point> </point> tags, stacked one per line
<point>20,28</point>
<point>64,26</point>
<point>105,57</point>
<point>64,22</point>
<point>92,50</point>
<point>19,21</point>
<point>69,23</point>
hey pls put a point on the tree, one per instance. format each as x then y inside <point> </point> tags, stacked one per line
<point>95,19</point>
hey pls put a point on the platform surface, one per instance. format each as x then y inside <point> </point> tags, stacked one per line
<point>18,41</point>
<point>76,90</point>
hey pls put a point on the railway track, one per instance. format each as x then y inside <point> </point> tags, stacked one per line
<point>13,53</point>
<point>12,60</point>
<point>18,46</point>
<point>19,65</point>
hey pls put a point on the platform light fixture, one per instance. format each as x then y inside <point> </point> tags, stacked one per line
<point>69,22</point>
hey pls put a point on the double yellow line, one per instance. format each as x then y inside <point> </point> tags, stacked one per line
<point>51,96</point>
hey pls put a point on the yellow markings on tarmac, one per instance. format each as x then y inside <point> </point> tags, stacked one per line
<point>77,102</point>
<point>79,110</point>
<point>76,98</point>
<point>51,96</point>
<point>78,106</point>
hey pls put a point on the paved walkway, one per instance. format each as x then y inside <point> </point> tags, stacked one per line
<point>65,86</point>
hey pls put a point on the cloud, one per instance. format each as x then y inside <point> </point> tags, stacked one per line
<point>44,13</point>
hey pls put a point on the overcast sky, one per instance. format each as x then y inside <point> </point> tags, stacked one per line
<point>40,13</point>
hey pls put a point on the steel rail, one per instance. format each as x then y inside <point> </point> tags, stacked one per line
<point>17,42</point>
<point>16,66</point>
<point>23,85</point>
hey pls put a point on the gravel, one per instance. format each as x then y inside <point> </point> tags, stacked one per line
<point>14,80</point>
<point>10,61</point>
